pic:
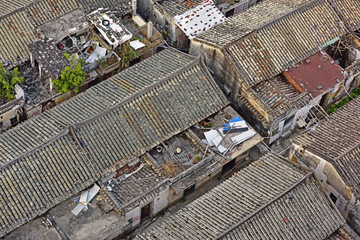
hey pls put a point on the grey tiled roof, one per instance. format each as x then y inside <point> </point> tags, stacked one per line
<point>175,8</point>
<point>9,6</point>
<point>117,88</point>
<point>247,21</point>
<point>270,199</point>
<point>337,139</point>
<point>150,102</point>
<point>37,181</point>
<point>350,11</point>
<point>28,136</point>
<point>17,28</point>
<point>141,122</point>
<point>279,96</point>
<point>123,6</point>
<point>279,45</point>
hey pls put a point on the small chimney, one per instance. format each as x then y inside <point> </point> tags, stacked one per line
<point>149,31</point>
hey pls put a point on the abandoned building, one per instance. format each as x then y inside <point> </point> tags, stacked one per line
<point>148,120</point>
<point>166,15</point>
<point>70,28</point>
<point>271,198</point>
<point>331,149</point>
<point>10,113</point>
<point>253,51</point>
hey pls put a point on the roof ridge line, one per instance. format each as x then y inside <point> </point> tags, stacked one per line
<point>63,133</point>
<point>263,207</point>
<point>255,30</point>
<point>137,94</point>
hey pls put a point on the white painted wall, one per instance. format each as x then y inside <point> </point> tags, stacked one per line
<point>161,201</point>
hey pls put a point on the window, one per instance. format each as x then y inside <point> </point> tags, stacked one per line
<point>13,121</point>
<point>1,125</point>
<point>333,198</point>
<point>189,190</point>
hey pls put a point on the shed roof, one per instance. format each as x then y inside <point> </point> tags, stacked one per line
<point>337,140</point>
<point>316,74</point>
<point>270,199</point>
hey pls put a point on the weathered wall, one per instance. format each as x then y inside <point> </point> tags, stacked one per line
<point>214,59</point>
<point>161,201</point>
<point>134,216</point>
<point>328,177</point>
<point>16,112</point>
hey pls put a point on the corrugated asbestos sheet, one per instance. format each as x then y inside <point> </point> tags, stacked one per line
<point>270,199</point>
<point>337,140</point>
<point>123,6</point>
<point>36,182</point>
<point>285,42</point>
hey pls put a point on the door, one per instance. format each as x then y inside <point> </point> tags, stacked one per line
<point>145,212</point>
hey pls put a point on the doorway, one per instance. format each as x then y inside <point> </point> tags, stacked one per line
<point>145,212</point>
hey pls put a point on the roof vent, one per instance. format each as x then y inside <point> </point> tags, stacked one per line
<point>319,87</point>
<point>308,60</point>
<point>337,80</point>
<point>332,62</point>
<point>320,67</point>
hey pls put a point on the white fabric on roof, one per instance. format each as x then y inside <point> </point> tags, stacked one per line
<point>199,19</point>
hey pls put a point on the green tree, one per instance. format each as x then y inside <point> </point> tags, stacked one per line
<point>72,76</point>
<point>8,80</point>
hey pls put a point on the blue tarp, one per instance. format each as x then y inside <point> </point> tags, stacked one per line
<point>235,119</point>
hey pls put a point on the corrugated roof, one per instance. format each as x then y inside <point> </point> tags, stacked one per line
<point>285,42</point>
<point>270,199</point>
<point>337,139</point>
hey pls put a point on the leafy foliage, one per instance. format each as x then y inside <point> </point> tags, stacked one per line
<point>354,94</point>
<point>7,82</point>
<point>72,76</point>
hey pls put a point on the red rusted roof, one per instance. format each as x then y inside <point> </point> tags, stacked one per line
<point>315,74</point>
